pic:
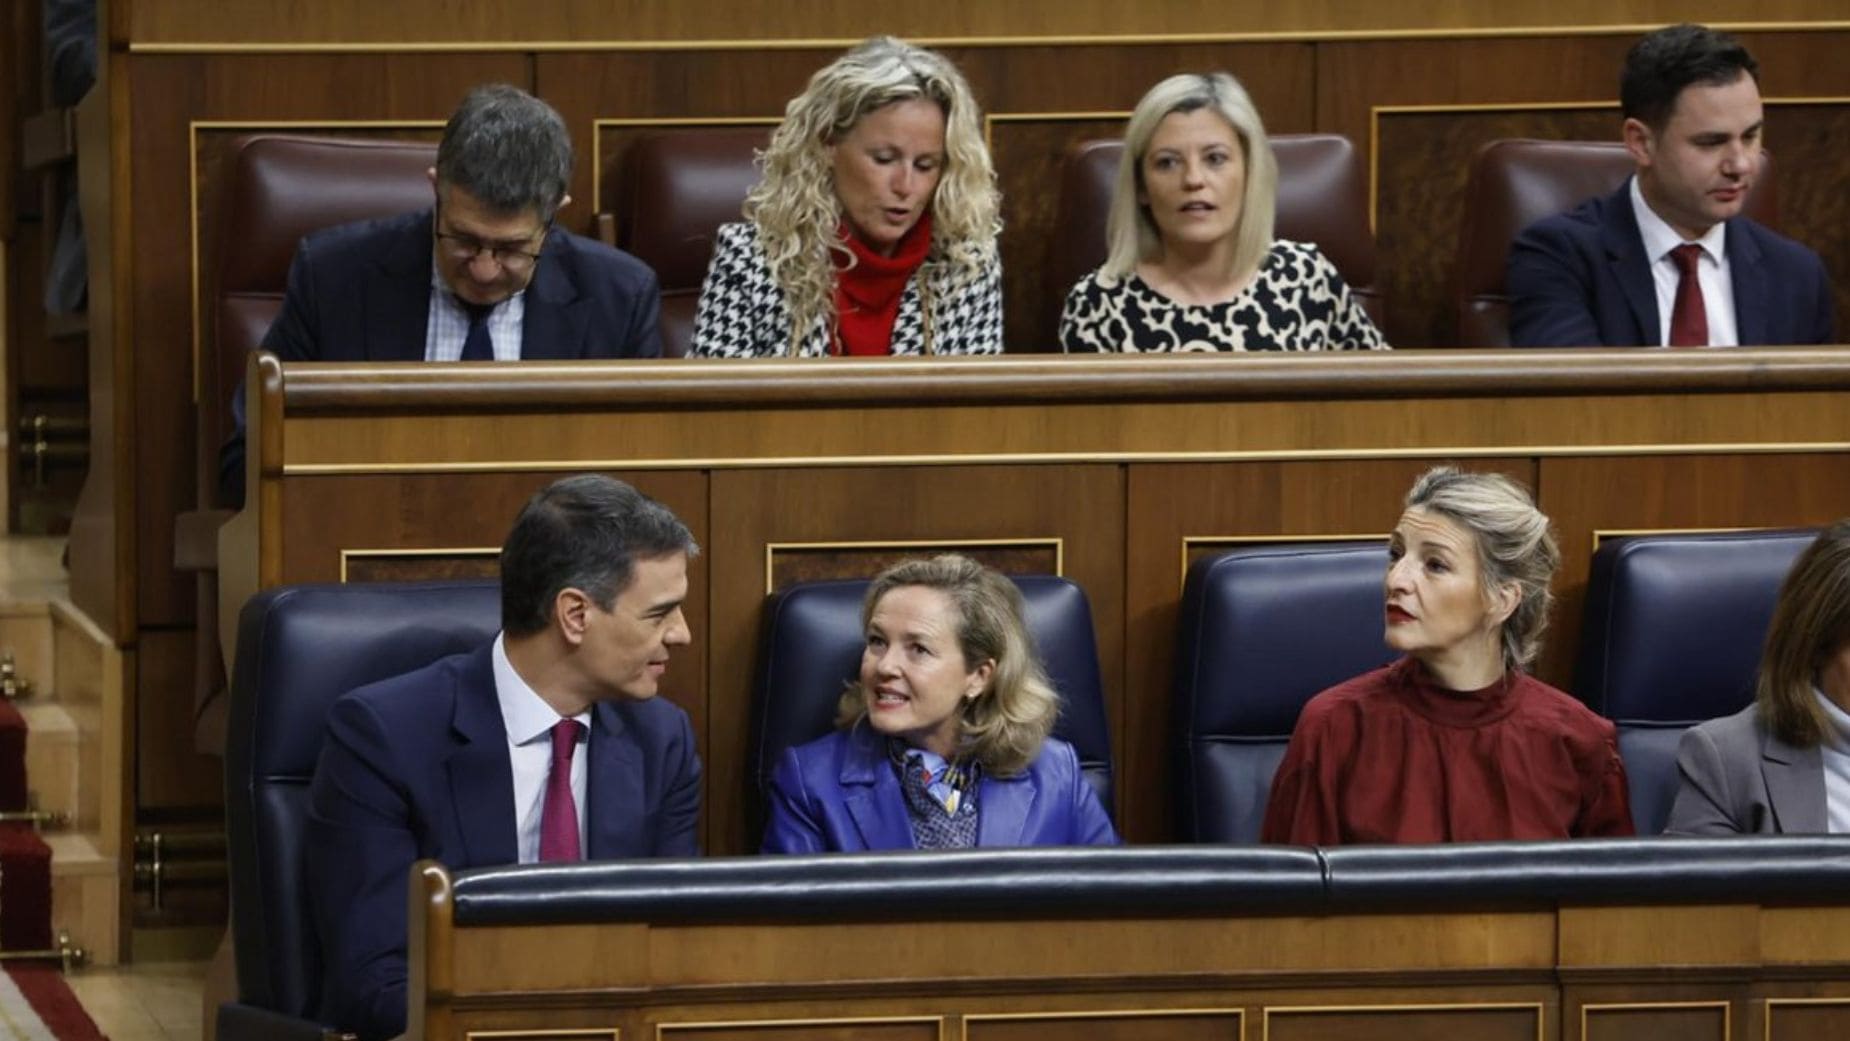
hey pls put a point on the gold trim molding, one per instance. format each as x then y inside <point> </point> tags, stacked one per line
<point>1541,1014</point>
<point>417,551</point>
<point>1056,542</point>
<point>1727,1008</point>
<point>662,1030</point>
<point>1026,40</point>
<point>1141,1013</point>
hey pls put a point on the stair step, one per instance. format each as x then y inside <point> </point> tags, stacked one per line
<point>86,894</point>
<point>25,633</point>
<point>57,744</point>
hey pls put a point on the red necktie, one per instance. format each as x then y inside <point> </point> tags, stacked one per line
<point>559,814</point>
<point>1689,320</point>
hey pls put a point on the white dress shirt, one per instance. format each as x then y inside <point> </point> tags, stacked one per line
<point>1712,273</point>
<point>1835,751</point>
<point>448,326</point>
<point>529,722</point>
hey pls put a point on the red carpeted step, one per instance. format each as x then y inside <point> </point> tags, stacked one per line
<point>25,889</point>
<point>12,758</point>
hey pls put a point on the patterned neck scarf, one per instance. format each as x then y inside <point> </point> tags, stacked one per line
<point>940,797</point>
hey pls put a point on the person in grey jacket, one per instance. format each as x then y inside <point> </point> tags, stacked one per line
<point>1782,764</point>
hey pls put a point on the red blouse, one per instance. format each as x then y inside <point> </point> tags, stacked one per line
<point>1390,756</point>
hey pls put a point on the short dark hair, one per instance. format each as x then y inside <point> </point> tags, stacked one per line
<point>507,148</point>
<point>584,532</point>
<point>1658,67</point>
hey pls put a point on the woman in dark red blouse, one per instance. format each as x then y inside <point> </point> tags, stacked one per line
<point>1454,742</point>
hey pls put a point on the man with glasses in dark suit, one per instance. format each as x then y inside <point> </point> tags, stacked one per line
<point>481,276</point>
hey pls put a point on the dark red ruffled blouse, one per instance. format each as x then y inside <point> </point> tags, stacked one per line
<point>1391,756</point>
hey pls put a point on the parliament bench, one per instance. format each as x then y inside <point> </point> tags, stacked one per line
<point>1473,940</point>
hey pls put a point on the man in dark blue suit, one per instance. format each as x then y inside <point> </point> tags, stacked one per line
<point>482,276</point>
<point>546,744</point>
<point>1668,259</point>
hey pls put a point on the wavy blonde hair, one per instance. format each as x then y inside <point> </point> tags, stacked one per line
<point>1004,726</point>
<point>794,203</point>
<point>1131,234</point>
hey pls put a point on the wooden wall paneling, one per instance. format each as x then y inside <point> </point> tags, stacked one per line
<point>828,1029</point>
<point>1418,185</point>
<point>1079,505</point>
<point>1423,161</point>
<point>1170,502</point>
<point>171,776</point>
<point>1657,1021</point>
<point>1183,1025</point>
<point>1476,90</point>
<point>171,94</point>
<point>465,516</point>
<point>1807,139</point>
<point>1583,495</point>
<point>1800,1019</point>
<point>103,530</point>
<point>1485,1022</point>
<point>362,23</point>
<point>690,86</point>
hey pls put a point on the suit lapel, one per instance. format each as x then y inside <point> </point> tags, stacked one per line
<point>614,790</point>
<point>1794,786</point>
<point>481,781</point>
<point>556,314</point>
<point>871,792</point>
<point>1751,292</point>
<point>1630,267</point>
<point>396,303</point>
<point>1002,810</point>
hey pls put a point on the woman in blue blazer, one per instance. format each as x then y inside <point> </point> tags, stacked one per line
<point>944,741</point>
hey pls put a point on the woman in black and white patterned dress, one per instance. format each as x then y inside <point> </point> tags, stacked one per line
<point>873,229</point>
<point>1192,264</point>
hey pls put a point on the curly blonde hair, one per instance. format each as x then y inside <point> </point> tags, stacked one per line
<point>794,204</point>
<point>1004,726</point>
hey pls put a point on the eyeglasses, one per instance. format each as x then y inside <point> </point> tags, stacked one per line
<point>463,249</point>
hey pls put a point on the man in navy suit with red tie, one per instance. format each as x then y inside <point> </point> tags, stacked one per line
<point>546,744</point>
<point>1668,259</point>
<point>480,276</point>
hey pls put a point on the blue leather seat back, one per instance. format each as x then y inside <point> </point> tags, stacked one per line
<point>1262,631</point>
<point>300,648</point>
<point>1672,636</point>
<point>810,650</point>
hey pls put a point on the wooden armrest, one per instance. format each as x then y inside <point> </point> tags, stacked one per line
<point>195,539</point>
<point>48,138</point>
<point>607,229</point>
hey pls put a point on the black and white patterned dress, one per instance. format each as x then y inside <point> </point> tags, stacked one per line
<point>1297,302</point>
<point>741,313</point>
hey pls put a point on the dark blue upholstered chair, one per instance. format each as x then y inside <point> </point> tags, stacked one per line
<point>300,648</point>
<point>1672,637</point>
<point>810,649</point>
<point>1262,631</point>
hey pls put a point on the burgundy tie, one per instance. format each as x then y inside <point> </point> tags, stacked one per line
<point>559,814</point>
<point>1689,320</point>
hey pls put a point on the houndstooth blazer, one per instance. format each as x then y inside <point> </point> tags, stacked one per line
<point>742,314</point>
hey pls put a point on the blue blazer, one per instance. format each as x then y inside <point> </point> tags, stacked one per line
<point>839,794</point>
<point>361,292</point>
<point>417,766</point>
<point>1581,279</point>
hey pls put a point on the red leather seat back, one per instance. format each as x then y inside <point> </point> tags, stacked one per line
<point>675,188</point>
<point>279,188</point>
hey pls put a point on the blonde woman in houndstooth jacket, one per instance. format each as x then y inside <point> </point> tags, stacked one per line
<point>873,229</point>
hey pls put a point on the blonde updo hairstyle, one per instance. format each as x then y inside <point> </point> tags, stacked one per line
<point>1514,545</point>
<point>795,206</point>
<point>1004,726</point>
